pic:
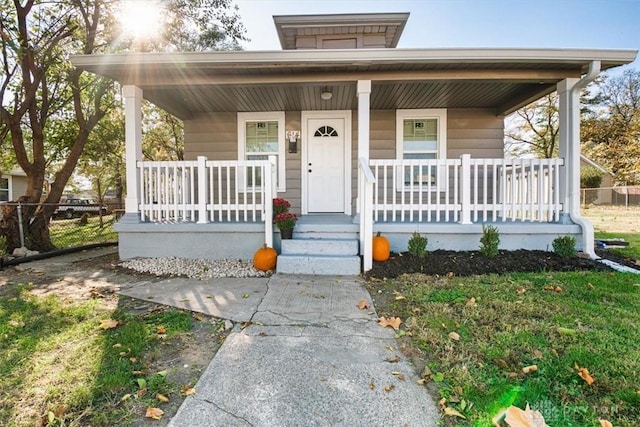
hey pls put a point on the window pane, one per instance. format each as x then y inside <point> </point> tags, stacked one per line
<point>418,174</point>
<point>262,137</point>
<point>420,145</point>
<point>420,130</point>
<point>258,171</point>
<point>4,190</point>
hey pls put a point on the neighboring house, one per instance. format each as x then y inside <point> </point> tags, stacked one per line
<point>13,184</point>
<point>358,135</point>
<point>603,197</point>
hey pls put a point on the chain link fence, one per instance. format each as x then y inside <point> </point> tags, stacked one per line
<point>71,225</point>
<point>615,196</point>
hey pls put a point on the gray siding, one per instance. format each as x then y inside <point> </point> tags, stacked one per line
<point>214,136</point>
<point>19,186</point>
<point>469,131</point>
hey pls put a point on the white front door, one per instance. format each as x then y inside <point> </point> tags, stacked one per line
<point>326,163</point>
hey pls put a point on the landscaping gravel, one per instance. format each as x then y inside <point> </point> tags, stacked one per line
<point>200,269</point>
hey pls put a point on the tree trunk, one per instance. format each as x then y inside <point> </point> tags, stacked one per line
<point>35,226</point>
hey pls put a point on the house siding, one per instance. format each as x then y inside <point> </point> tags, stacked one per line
<point>478,132</point>
<point>19,186</point>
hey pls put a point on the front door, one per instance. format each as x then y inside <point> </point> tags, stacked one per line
<point>325,169</point>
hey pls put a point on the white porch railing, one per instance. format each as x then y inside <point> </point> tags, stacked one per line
<point>466,190</point>
<point>366,181</point>
<point>208,191</point>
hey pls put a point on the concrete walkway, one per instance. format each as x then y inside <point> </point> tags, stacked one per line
<point>309,358</point>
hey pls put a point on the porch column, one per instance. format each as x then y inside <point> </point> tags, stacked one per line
<point>364,124</point>
<point>133,147</point>
<point>364,95</point>
<point>569,140</point>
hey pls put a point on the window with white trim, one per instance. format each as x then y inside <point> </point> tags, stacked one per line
<point>4,189</point>
<point>261,135</point>
<point>421,134</point>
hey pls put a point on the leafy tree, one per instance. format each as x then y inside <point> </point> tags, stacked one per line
<point>534,129</point>
<point>48,109</point>
<point>162,134</point>
<point>590,177</point>
<point>611,131</point>
<point>40,94</point>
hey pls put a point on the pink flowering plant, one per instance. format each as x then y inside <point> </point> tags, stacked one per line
<point>280,206</point>
<point>285,220</point>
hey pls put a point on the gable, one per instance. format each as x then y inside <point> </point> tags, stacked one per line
<point>344,31</point>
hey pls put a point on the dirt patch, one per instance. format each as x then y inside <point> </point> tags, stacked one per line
<point>183,357</point>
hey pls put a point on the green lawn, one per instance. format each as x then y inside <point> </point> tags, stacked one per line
<point>631,251</point>
<point>506,323</point>
<point>58,365</point>
<point>67,233</point>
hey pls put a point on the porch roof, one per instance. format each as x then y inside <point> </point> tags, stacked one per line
<point>188,84</point>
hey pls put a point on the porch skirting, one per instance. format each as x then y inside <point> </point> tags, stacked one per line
<point>189,240</point>
<point>466,237</point>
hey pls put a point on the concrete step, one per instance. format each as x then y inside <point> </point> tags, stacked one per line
<point>320,247</point>
<point>322,265</point>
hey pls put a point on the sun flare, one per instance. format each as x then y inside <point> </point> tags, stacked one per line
<point>141,18</point>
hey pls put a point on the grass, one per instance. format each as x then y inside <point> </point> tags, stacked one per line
<point>506,323</point>
<point>58,367</point>
<point>71,233</point>
<point>631,251</point>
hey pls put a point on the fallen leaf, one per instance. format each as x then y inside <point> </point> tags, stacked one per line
<point>605,423</point>
<point>389,387</point>
<point>162,398</point>
<point>187,391</point>
<point>422,381</point>
<point>60,411</point>
<point>394,359</point>
<point>163,374</point>
<point>454,336</point>
<point>183,300</point>
<point>565,331</point>
<point>133,360</point>
<point>590,286</point>
<point>208,296</point>
<point>584,374</point>
<point>118,345</point>
<point>125,397</point>
<point>161,330</point>
<point>501,363</point>
<point>558,289</point>
<point>398,375</point>
<point>108,324</point>
<point>154,413</point>
<point>448,411</point>
<point>141,392</point>
<point>516,417</point>
<point>394,322</point>
<point>537,354</point>
<point>450,274</point>
<point>471,302</point>
<point>443,403</point>
<point>372,385</point>
<point>549,288</point>
<point>529,369</point>
<point>363,304</point>
<point>426,373</point>
<point>520,291</point>
<point>245,296</point>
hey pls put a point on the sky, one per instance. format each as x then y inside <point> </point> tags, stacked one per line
<point>608,24</point>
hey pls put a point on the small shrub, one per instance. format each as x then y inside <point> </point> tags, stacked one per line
<point>590,177</point>
<point>418,245</point>
<point>490,241</point>
<point>565,246</point>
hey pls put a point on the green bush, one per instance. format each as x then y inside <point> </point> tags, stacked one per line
<point>418,245</point>
<point>565,246</point>
<point>590,177</point>
<point>490,241</point>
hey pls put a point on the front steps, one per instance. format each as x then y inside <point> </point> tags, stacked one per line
<point>325,257</point>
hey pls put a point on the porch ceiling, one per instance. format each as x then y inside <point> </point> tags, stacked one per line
<point>189,84</point>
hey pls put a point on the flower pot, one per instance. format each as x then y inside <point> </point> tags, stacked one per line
<point>286,233</point>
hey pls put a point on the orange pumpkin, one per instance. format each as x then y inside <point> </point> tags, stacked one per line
<point>265,258</point>
<point>381,248</point>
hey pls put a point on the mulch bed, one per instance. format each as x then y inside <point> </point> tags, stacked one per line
<point>441,262</point>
